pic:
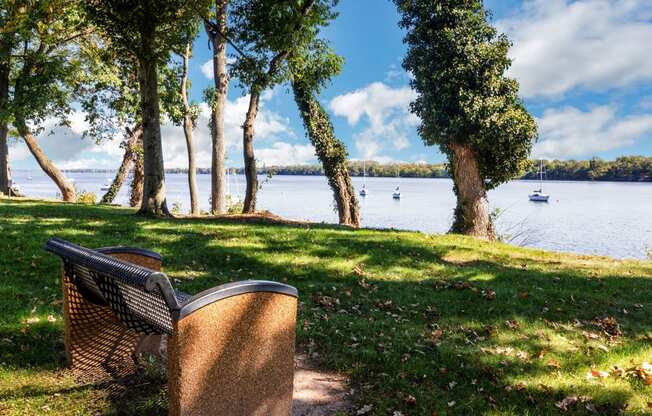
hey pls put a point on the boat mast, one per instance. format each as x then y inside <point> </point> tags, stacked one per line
<point>364,174</point>
<point>541,176</point>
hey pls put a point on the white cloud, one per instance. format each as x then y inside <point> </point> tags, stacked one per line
<point>207,69</point>
<point>561,45</point>
<point>268,126</point>
<point>570,132</point>
<point>282,153</point>
<point>68,150</point>
<point>387,111</point>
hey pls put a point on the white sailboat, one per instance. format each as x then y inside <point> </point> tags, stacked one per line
<point>363,191</point>
<point>537,195</point>
<point>105,187</point>
<point>231,197</point>
<point>397,192</point>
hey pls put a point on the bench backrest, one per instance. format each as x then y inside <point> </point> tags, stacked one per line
<point>142,299</point>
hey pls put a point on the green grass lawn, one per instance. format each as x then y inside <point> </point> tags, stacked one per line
<point>422,325</point>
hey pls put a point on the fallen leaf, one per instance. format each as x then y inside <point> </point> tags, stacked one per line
<point>570,401</point>
<point>596,374</point>
<point>364,409</point>
<point>512,324</point>
<point>553,363</point>
<point>488,294</point>
<point>411,400</point>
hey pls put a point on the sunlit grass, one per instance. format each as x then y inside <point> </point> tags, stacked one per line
<point>419,323</point>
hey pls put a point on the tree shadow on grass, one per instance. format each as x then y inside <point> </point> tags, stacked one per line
<point>376,324</point>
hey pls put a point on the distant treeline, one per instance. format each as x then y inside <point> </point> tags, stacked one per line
<point>626,169</point>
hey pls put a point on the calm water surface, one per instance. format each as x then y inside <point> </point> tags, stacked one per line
<point>606,218</point>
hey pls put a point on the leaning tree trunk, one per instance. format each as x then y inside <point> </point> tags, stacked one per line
<point>221,79</point>
<point>154,201</point>
<point>137,182</point>
<point>249,205</point>
<point>188,126</point>
<point>331,153</point>
<point>471,213</point>
<point>5,65</point>
<point>66,188</point>
<point>134,136</point>
<point>5,172</point>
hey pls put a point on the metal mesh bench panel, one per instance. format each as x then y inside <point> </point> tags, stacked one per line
<point>104,280</point>
<point>145,313</point>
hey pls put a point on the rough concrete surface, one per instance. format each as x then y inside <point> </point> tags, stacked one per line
<point>318,393</point>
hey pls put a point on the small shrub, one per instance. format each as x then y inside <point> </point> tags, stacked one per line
<point>233,205</point>
<point>176,208</point>
<point>86,198</point>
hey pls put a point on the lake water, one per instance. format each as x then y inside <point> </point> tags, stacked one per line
<point>606,218</point>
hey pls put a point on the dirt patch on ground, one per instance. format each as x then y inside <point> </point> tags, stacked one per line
<point>318,393</point>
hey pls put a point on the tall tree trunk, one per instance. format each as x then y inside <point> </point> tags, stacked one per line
<point>249,205</point>
<point>257,87</point>
<point>221,79</point>
<point>471,213</point>
<point>66,188</point>
<point>137,182</point>
<point>133,137</point>
<point>5,65</point>
<point>188,126</point>
<point>331,153</point>
<point>154,201</point>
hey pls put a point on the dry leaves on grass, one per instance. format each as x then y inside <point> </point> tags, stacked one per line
<point>642,372</point>
<point>570,401</point>
<point>609,326</point>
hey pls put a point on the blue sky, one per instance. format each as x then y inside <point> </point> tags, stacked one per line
<point>584,67</point>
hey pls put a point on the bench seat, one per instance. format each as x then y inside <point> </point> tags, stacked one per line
<point>229,349</point>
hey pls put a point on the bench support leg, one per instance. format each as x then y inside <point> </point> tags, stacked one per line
<point>234,357</point>
<point>98,346</point>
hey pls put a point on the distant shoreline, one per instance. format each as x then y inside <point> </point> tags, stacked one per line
<point>239,172</point>
<point>623,169</point>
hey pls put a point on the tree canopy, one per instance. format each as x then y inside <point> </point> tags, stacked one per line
<point>458,62</point>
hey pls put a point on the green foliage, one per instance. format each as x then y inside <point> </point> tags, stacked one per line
<point>145,29</point>
<point>85,197</point>
<point>45,39</point>
<point>110,97</point>
<point>625,168</point>
<point>233,205</point>
<point>177,208</point>
<point>267,31</point>
<point>458,62</point>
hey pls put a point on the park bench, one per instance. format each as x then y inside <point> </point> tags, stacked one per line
<point>230,349</point>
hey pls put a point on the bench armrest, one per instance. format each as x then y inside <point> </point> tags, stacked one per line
<point>139,256</point>
<point>228,290</point>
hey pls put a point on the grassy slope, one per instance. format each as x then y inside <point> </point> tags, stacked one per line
<point>377,305</point>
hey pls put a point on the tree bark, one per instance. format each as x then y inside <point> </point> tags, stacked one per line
<point>221,79</point>
<point>134,136</point>
<point>257,87</point>
<point>331,153</point>
<point>137,182</point>
<point>154,201</point>
<point>5,66</point>
<point>249,205</point>
<point>188,126</point>
<point>67,190</point>
<point>471,213</point>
